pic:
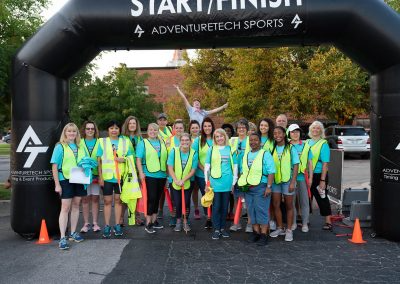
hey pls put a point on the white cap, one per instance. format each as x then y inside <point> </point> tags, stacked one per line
<point>293,127</point>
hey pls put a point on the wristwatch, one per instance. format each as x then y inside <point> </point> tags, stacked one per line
<point>269,186</point>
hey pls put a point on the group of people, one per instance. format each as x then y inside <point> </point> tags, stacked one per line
<point>252,165</point>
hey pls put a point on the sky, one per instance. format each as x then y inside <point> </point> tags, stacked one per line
<point>111,59</point>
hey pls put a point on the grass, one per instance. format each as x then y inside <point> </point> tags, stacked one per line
<point>5,149</point>
<point>5,194</point>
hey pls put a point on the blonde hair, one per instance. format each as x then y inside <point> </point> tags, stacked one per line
<point>185,134</point>
<point>125,128</point>
<point>222,132</point>
<point>252,127</point>
<point>63,137</point>
<point>317,124</point>
<point>154,126</point>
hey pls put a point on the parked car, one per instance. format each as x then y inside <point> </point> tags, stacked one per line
<point>7,138</point>
<point>349,138</point>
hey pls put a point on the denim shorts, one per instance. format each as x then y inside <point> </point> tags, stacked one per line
<point>258,205</point>
<point>282,188</point>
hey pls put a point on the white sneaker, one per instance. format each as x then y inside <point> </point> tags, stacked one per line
<point>272,225</point>
<point>249,228</point>
<point>235,227</point>
<point>294,226</point>
<point>277,232</point>
<point>304,229</point>
<point>289,235</point>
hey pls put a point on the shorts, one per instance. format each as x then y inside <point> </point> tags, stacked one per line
<point>71,190</point>
<point>93,189</point>
<point>282,188</point>
<point>110,187</point>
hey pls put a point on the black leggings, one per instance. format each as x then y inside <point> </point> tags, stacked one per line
<point>323,203</point>
<point>177,200</point>
<point>155,186</point>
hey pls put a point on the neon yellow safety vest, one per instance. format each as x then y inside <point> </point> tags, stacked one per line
<point>69,161</point>
<point>132,144</point>
<point>216,160</point>
<point>152,162</point>
<point>269,145</point>
<point>171,143</point>
<point>167,134</point>
<point>130,185</point>
<point>107,160</point>
<point>234,142</point>
<point>253,175</point>
<point>92,155</point>
<point>283,166</point>
<point>303,156</point>
<point>203,152</point>
<point>179,172</point>
<point>315,150</point>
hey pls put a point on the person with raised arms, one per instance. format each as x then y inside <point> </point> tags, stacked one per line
<point>221,169</point>
<point>151,161</point>
<point>66,155</point>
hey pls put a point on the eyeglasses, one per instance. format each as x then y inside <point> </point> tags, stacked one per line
<point>87,128</point>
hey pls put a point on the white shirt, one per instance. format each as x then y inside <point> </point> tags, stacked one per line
<point>198,115</point>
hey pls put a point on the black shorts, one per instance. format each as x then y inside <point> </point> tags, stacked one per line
<point>70,190</point>
<point>110,187</point>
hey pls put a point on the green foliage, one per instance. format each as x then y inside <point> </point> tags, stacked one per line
<point>395,4</point>
<point>119,94</point>
<point>4,149</point>
<point>18,21</point>
<point>5,194</point>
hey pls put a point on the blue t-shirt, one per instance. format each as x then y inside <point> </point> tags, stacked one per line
<point>134,142</point>
<point>58,154</point>
<point>268,164</point>
<point>293,155</point>
<point>184,158</point>
<point>115,143</point>
<point>140,153</point>
<point>324,156</point>
<point>195,146</point>
<point>90,147</point>
<point>224,183</point>
<point>299,148</point>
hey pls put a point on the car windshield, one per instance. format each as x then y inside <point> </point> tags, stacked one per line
<point>351,132</point>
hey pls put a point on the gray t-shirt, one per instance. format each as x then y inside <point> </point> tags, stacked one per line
<point>198,115</point>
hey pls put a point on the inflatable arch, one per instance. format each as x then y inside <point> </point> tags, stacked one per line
<point>368,31</point>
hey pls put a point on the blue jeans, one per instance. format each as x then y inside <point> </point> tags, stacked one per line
<point>220,209</point>
<point>201,183</point>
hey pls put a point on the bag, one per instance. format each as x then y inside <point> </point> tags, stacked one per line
<point>207,199</point>
<point>77,175</point>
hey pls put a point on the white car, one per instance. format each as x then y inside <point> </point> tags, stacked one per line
<point>349,138</point>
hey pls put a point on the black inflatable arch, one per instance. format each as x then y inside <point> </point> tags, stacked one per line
<point>368,31</point>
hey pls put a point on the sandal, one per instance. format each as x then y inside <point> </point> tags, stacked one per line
<point>96,228</point>
<point>327,227</point>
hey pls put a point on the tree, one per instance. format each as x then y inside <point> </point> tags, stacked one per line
<point>395,4</point>
<point>119,94</point>
<point>18,21</point>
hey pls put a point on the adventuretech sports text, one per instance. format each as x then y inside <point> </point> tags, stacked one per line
<point>220,26</point>
<point>193,6</point>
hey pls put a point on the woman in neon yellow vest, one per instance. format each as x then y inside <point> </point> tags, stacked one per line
<point>66,155</point>
<point>201,146</point>
<point>305,156</point>
<point>151,161</point>
<point>266,131</point>
<point>221,165</point>
<point>286,162</point>
<point>90,143</point>
<point>131,130</point>
<point>257,174</point>
<point>321,156</point>
<point>182,163</point>
<point>108,177</point>
<point>194,131</point>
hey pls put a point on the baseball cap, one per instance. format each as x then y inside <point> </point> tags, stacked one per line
<point>162,115</point>
<point>293,127</point>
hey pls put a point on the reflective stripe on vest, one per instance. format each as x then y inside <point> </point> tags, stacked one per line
<point>163,135</point>
<point>93,154</point>
<point>216,160</point>
<point>203,152</point>
<point>69,161</point>
<point>315,150</point>
<point>253,175</point>
<point>283,166</point>
<point>153,163</point>
<point>179,172</point>
<point>234,143</point>
<point>130,187</point>
<point>107,160</point>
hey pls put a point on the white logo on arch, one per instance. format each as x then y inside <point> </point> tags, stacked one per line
<point>398,147</point>
<point>30,143</point>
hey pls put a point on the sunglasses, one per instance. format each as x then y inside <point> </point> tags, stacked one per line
<point>90,128</point>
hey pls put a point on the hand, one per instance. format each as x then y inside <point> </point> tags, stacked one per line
<point>322,185</point>
<point>58,189</point>
<point>310,181</point>
<point>267,192</point>
<point>176,87</point>
<point>120,160</point>
<point>101,181</point>
<point>207,189</point>
<point>142,176</point>
<point>233,189</point>
<point>292,186</point>
<point>225,105</point>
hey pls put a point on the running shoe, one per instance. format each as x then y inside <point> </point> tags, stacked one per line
<point>254,237</point>
<point>107,231</point>
<point>263,241</point>
<point>86,228</point>
<point>178,227</point>
<point>294,226</point>
<point>118,230</point>
<point>157,225</point>
<point>75,237</point>
<point>224,233</point>
<point>196,214</point>
<point>235,227</point>
<point>305,229</point>
<point>272,225</point>
<point>96,228</point>
<point>289,235</point>
<point>208,224</point>
<point>149,229</point>
<point>160,214</point>
<point>277,232</point>
<point>172,221</point>
<point>216,235</point>
<point>249,228</point>
<point>63,244</point>
<point>186,227</point>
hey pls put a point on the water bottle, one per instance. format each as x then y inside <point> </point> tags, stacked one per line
<point>321,192</point>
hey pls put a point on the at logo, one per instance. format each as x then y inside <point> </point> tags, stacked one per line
<point>139,31</point>
<point>398,147</point>
<point>296,21</point>
<point>30,143</point>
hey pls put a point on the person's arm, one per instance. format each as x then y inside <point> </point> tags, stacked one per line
<point>100,171</point>
<point>322,182</point>
<point>54,168</point>
<point>140,168</point>
<point>187,104</point>
<point>191,173</point>
<point>218,109</point>
<point>235,177</point>
<point>268,190</point>
<point>292,184</point>
<point>310,172</point>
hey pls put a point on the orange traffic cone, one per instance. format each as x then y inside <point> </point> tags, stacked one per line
<point>44,236</point>
<point>357,234</point>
